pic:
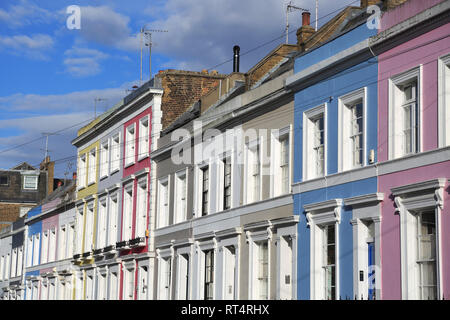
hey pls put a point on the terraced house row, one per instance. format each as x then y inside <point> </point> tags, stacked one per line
<point>320,173</point>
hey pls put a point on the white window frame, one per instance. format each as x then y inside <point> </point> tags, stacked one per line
<point>163,213</point>
<point>130,145</point>
<point>89,227</point>
<point>180,213</point>
<point>14,263</point>
<point>319,215</point>
<point>45,244</point>
<point>183,271</point>
<point>52,245</point>
<point>34,183</point>
<point>411,199</point>
<point>102,213</point>
<point>92,166</point>
<point>309,163</point>
<point>62,242</point>
<point>79,232</point>
<point>255,239</point>
<point>165,273</point>
<point>221,180</point>
<point>395,127</point>
<point>366,209</point>
<point>113,212</point>
<point>144,138</point>
<point>82,172</point>
<point>115,153</point>
<point>128,292</point>
<point>127,213</point>
<point>104,159</point>
<point>276,186</point>
<point>345,145</point>
<point>444,101</point>
<point>70,240</point>
<point>29,251</point>
<point>36,247</point>
<point>20,260</point>
<point>251,154</point>
<point>141,207</point>
<point>199,189</point>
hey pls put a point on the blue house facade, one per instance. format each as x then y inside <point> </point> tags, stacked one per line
<point>335,185</point>
<point>33,254</point>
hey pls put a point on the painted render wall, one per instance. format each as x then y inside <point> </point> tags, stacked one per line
<point>404,57</point>
<point>341,191</point>
<point>390,227</point>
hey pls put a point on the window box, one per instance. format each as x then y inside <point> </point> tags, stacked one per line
<point>86,254</point>
<point>137,242</point>
<point>98,251</point>
<point>108,248</point>
<point>76,256</point>
<point>122,245</point>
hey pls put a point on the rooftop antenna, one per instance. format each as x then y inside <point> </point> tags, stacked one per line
<point>46,134</point>
<point>95,105</point>
<point>149,43</point>
<point>290,8</point>
<point>317,12</point>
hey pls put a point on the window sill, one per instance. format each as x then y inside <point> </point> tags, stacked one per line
<point>143,157</point>
<point>81,188</point>
<point>91,183</point>
<point>114,171</point>
<point>103,177</point>
<point>129,164</point>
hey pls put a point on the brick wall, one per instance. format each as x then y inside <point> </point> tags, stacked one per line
<point>182,89</point>
<point>9,212</point>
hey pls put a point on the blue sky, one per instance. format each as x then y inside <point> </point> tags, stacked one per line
<point>50,75</point>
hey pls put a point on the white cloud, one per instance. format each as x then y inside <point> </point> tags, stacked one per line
<point>79,101</point>
<point>203,35</point>
<point>25,13</point>
<point>105,26</point>
<point>82,62</point>
<point>34,46</point>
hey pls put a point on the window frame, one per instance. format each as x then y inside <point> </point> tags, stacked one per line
<point>92,166</point>
<point>411,199</point>
<point>104,159</point>
<point>163,186</point>
<point>309,164</point>
<point>276,166</point>
<point>146,138</point>
<point>318,215</point>
<point>443,101</point>
<point>35,183</point>
<point>115,153</point>
<point>396,143</point>
<point>130,146</point>
<point>345,116</point>
<point>180,214</point>
<point>82,172</point>
<point>141,207</point>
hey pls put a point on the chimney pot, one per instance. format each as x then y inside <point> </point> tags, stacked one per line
<point>74,176</point>
<point>236,50</point>
<point>306,18</point>
<point>59,184</point>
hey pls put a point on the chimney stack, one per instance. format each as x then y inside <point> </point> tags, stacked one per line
<point>236,50</point>
<point>366,3</point>
<point>306,17</point>
<point>305,31</point>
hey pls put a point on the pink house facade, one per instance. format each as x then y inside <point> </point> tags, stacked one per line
<point>414,152</point>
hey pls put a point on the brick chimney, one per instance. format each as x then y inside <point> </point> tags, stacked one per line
<point>305,31</point>
<point>49,166</point>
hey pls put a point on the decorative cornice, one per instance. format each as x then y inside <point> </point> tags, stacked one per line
<point>419,186</point>
<point>364,199</point>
